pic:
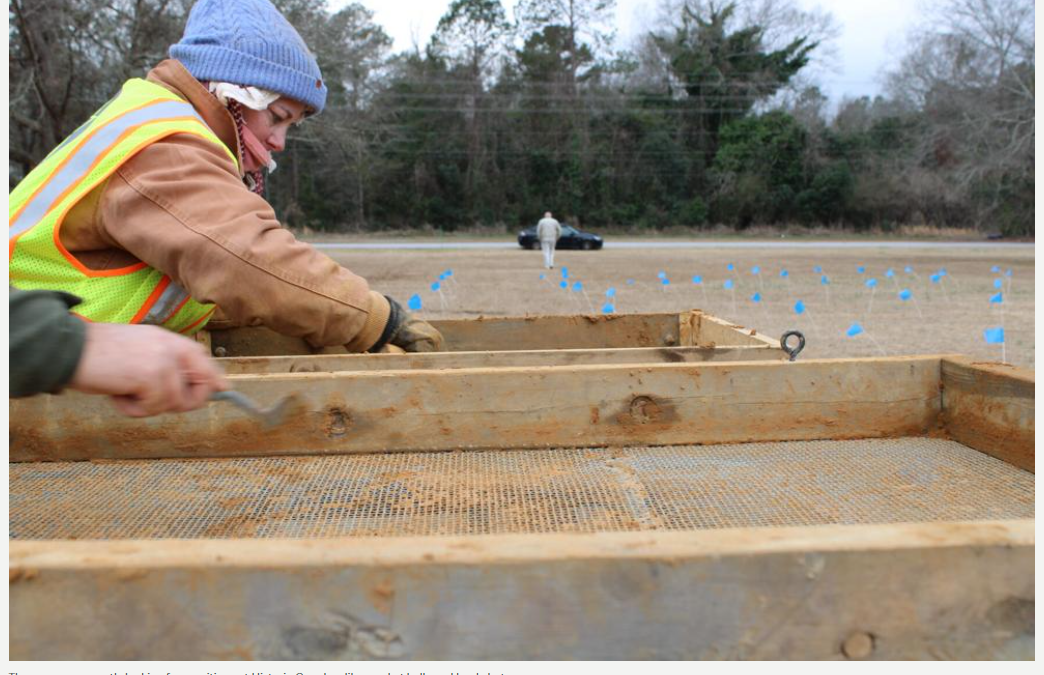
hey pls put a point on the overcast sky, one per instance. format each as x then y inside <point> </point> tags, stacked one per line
<point>872,32</point>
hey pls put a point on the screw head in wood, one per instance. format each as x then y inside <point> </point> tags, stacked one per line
<point>858,645</point>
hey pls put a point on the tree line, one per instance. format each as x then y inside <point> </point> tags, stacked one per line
<point>712,117</point>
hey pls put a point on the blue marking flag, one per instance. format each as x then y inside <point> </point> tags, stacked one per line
<point>730,267</point>
<point>565,272</point>
<point>665,281</point>
<point>563,284</point>
<point>905,294</point>
<point>661,274</point>
<point>871,283</point>
<point>994,336</point>
<point>611,293</point>
<point>414,303</point>
<point>436,286</point>
<point>824,280</point>
<point>935,278</point>
<point>889,273</point>
<point>799,307</point>
<point>756,270</point>
<point>860,269</point>
<point>1007,273</point>
<point>543,276</point>
<point>853,330</point>
<point>817,269</point>
<point>997,299</point>
<point>728,284</point>
<point>908,269</point>
<point>608,308</point>
<point>756,297</point>
<point>448,273</point>
<point>442,277</point>
<point>995,269</point>
<point>942,271</point>
<point>630,282</point>
<point>784,274</point>
<point>697,279</point>
<point>577,286</point>
<point>998,283</point>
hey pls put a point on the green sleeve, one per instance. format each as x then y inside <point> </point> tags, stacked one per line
<point>46,341</point>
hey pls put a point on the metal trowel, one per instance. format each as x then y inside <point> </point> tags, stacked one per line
<point>271,417</point>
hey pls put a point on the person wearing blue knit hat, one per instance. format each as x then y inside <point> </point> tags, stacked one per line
<point>253,61</point>
<point>153,210</point>
<point>249,42</point>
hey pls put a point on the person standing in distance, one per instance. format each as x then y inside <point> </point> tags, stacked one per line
<point>548,231</point>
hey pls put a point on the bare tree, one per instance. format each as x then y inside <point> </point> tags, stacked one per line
<point>67,57</point>
<point>970,70</point>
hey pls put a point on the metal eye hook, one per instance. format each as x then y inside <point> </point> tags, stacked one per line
<point>792,352</point>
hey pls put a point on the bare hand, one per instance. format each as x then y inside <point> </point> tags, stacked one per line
<point>146,370</point>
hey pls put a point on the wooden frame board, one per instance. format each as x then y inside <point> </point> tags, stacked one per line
<point>574,406</point>
<point>903,591</point>
<point>335,363</point>
<point>899,591</point>
<point>990,407</point>
<point>617,331</point>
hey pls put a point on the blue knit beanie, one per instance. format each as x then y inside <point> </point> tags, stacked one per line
<point>249,43</point>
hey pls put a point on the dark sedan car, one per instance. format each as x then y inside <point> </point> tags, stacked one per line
<point>571,238</point>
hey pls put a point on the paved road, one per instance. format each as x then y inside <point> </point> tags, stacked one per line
<point>494,245</point>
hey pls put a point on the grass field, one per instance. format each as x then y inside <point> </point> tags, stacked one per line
<point>945,317</point>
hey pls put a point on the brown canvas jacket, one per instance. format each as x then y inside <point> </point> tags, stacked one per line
<point>180,206</point>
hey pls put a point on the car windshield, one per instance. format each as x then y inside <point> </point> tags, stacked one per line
<point>569,230</point>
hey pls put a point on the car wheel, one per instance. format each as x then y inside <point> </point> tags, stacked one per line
<point>535,246</point>
<point>587,246</point>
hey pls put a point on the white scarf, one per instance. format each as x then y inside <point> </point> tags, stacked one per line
<point>251,97</point>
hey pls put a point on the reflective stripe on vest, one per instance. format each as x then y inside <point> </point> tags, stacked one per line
<point>141,114</point>
<point>170,300</point>
<point>76,167</point>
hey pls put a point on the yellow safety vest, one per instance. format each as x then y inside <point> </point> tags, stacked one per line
<point>142,113</point>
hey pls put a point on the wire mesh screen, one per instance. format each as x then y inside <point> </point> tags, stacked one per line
<point>524,491</point>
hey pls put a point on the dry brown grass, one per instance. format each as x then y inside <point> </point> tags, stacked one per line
<point>953,315</point>
<point>791,231</point>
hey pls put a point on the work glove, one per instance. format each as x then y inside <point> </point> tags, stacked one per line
<point>407,332</point>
